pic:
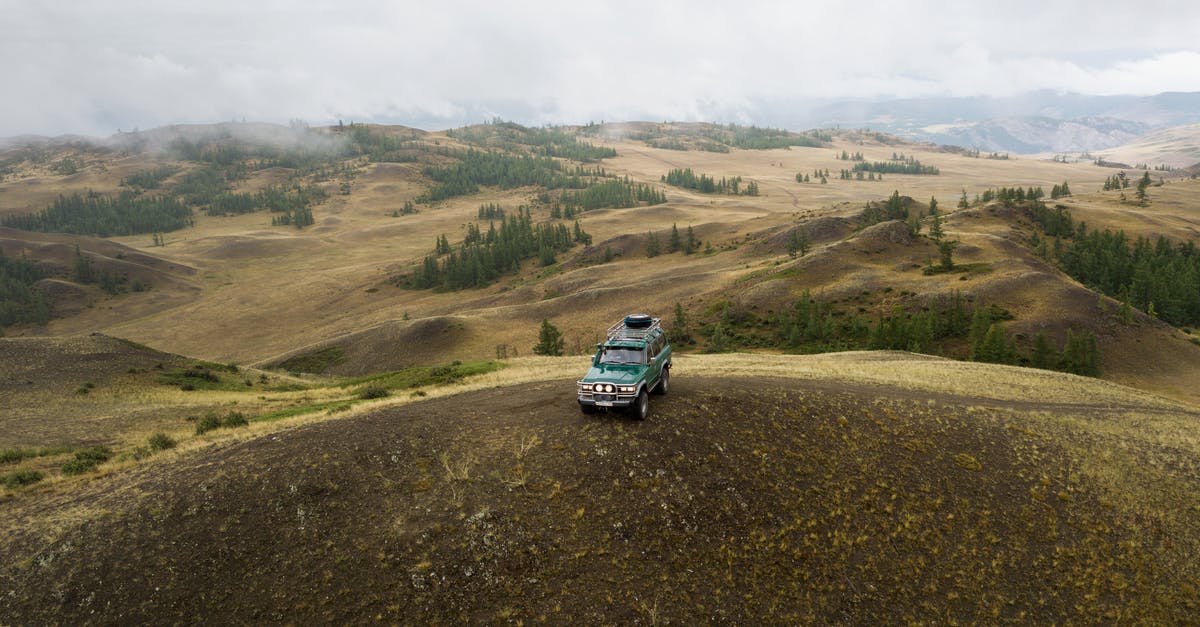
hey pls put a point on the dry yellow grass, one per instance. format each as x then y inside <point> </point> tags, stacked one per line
<point>271,287</point>
<point>265,292</point>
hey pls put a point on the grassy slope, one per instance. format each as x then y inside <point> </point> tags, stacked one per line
<point>851,487</point>
<point>267,293</point>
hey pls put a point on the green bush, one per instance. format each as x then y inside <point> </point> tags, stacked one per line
<point>86,460</point>
<point>13,455</point>
<point>14,480</point>
<point>209,422</point>
<point>373,391</point>
<point>161,442</point>
<point>234,419</point>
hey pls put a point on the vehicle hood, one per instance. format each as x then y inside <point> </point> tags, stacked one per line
<point>618,374</point>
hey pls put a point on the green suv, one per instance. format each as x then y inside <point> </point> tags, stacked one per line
<point>632,362</point>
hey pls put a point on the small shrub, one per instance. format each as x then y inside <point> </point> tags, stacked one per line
<point>86,460</point>
<point>20,478</point>
<point>77,467</point>
<point>202,373</point>
<point>418,393</point>
<point>9,456</point>
<point>161,442</point>
<point>96,453</point>
<point>372,391</point>
<point>209,422</point>
<point>187,387</point>
<point>234,419</point>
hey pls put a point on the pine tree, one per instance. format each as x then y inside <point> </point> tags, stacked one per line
<point>550,340</point>
<point>1043,355</point>
<point>674,243</point>
<point>1080,355</point>
<point>679,332</point>
<point>935,229</point>
<point>690,243</point>
<point>718,341</point>
<point>963,203</point>
<point>653,248</point>
<point>946,253</point>
<point>933,210</point>
<point>1141,194</point>
<point>798,242</point>
<point>84,273</point>
<point>914,224</point>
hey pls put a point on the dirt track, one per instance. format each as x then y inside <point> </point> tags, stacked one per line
<point>738,501</point>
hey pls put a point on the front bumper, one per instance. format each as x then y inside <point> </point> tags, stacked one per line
<point>606,400</point>
<point>618,398</point>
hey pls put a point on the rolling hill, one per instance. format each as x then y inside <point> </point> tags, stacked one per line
<point>853,487</point>
<point>266,374</point>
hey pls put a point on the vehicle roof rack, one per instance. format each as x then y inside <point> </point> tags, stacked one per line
<point>622,331</point>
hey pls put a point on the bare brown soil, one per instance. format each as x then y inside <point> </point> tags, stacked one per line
<point>738,501</point>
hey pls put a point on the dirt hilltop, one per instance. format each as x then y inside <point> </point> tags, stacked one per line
<point>739,501</point>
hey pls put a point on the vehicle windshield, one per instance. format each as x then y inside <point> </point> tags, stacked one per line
<point>617,355</point>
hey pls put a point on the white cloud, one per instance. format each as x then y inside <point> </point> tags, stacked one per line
<point>92,67</point>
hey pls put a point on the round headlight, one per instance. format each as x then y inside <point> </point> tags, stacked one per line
<point>610,388</point>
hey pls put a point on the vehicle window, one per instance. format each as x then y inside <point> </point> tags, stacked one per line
<point>622,356</point>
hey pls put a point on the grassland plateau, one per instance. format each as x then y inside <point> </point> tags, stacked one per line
<point>253,373</point>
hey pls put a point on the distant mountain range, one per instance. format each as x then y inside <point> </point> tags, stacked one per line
<point>1036,122</point>
<point>1031,123</point>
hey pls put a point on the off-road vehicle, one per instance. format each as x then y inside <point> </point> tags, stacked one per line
<point>634,361</point>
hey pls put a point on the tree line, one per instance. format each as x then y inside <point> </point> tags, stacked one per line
<point>20,300</point>
<point>810,325</point>
<point>105,216</point>
<point>476,168</point>
<point>549,141</point>
<point>485,256</point>
<point>705,184</point>
<point>274,198</point>
<point>1156,276</point>
<point>905,166</point>
<point>617,193</point>
<point>687,243</point>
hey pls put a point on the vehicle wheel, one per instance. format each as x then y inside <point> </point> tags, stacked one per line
<point>664,382</point>
<point>641,407</point>
<point>588,409</point>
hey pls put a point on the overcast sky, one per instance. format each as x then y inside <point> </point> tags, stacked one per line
<point>93,66</point>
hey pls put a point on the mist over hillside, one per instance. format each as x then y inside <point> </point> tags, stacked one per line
<point>1035,122</point>
<point>1042,121</point>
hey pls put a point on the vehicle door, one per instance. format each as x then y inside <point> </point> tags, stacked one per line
<point>655,356</point>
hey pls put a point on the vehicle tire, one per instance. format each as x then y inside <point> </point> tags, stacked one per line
<point>641,407</point>
<point>588,409</point>
<point>664,382</point>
